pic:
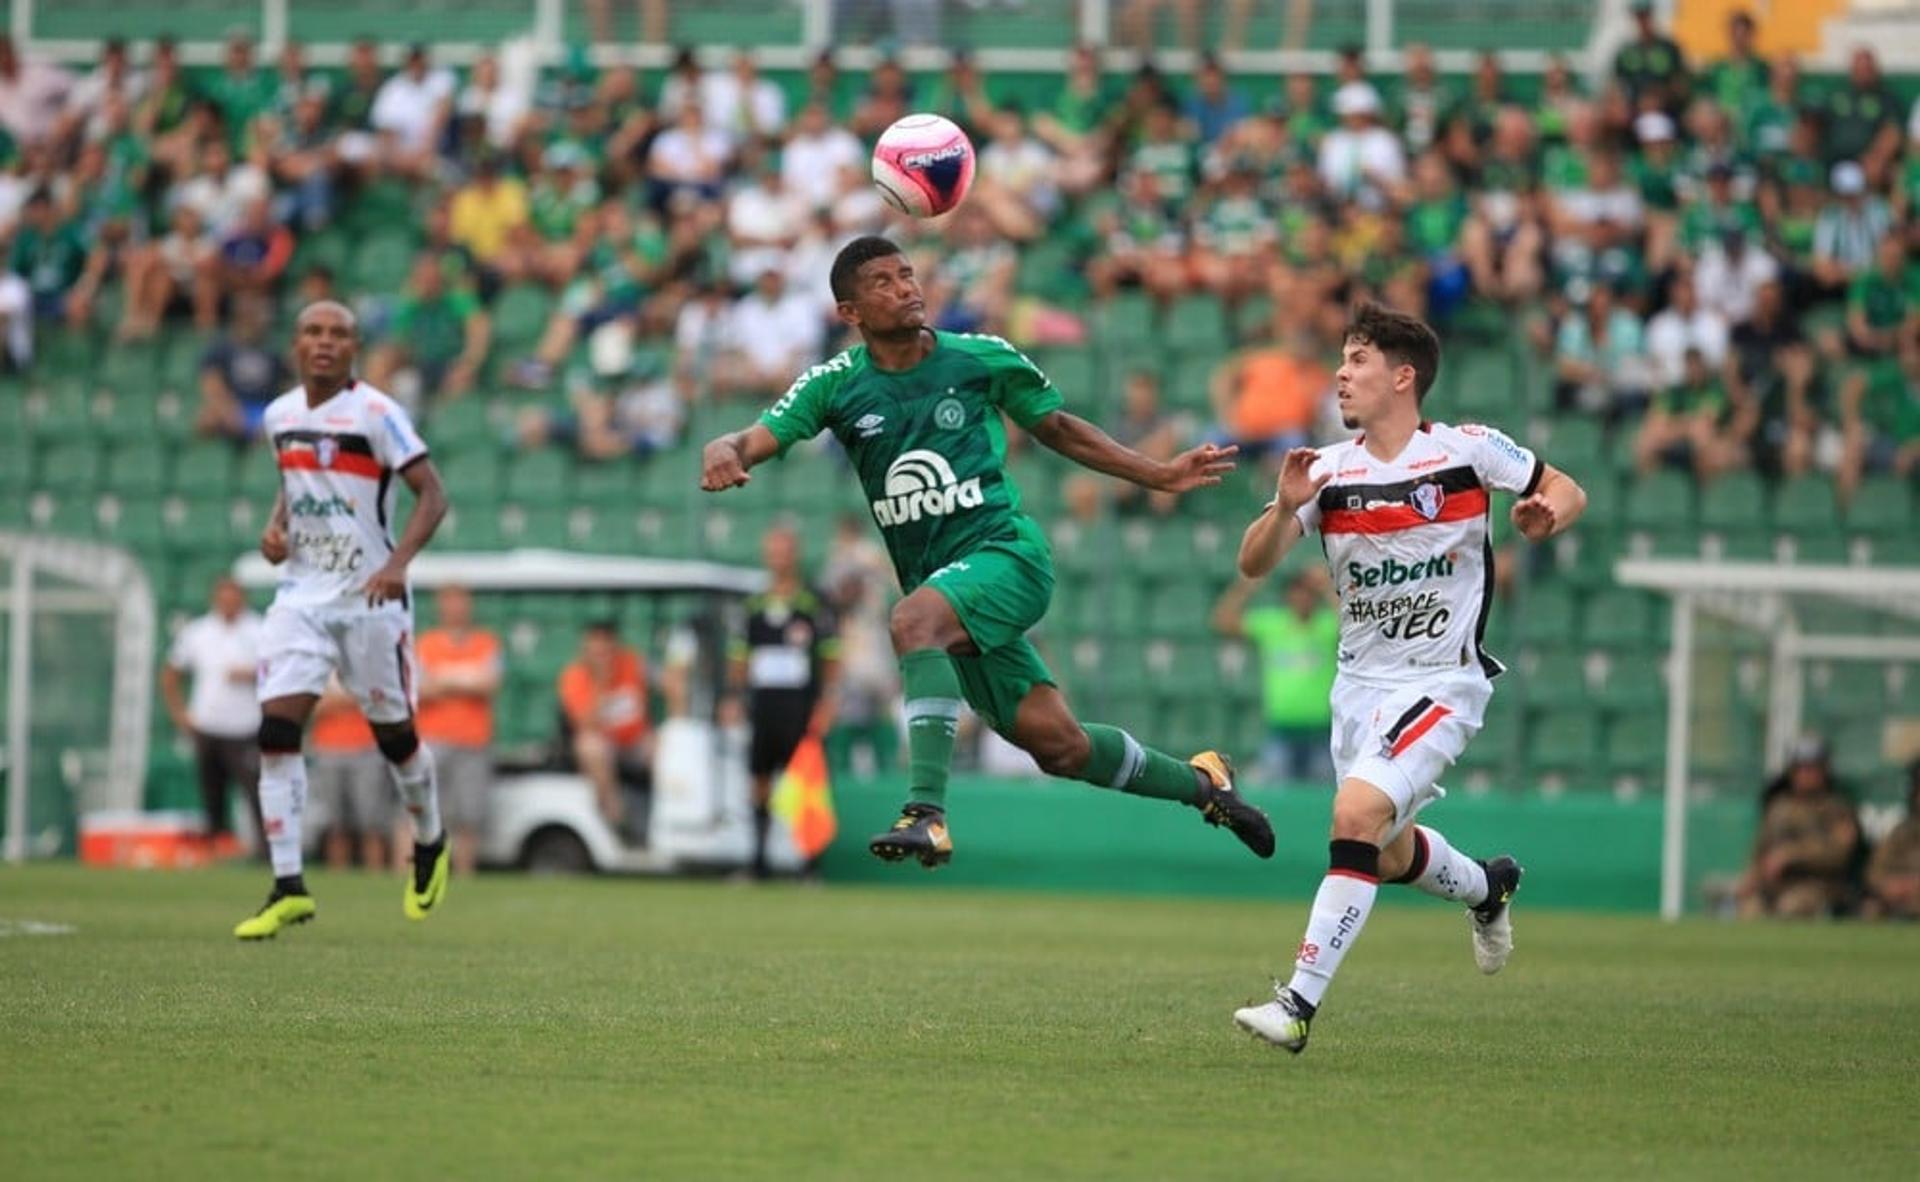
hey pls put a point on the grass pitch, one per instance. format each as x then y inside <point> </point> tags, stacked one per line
<point>568,1029</point>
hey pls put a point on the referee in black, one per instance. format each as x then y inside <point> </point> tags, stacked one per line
<point>785,665</point>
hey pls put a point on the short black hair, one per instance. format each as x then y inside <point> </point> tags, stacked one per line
<point>1401,339</point>
<point>605,626</point>
<point>855,255</point>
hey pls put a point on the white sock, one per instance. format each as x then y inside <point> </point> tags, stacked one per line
<point>1448,874</point>
<point>1340,910</point>
<point>283,798</point>
<point>420,790</point>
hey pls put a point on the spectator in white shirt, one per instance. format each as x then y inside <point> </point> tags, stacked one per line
<point>411,111</point>
<point>688,157</point>
<point>764,220</point>
<point>739,102</point>
<point>221,189</point>
<point>772,334</point>
<point>822,159</point>
<point>114,77</point>
<point>220,717</point>
<point>1730,274</point>
<point>1683,326</point>
<point>33,93</point>
<point>1848,229</point>
<point>1361,160</point>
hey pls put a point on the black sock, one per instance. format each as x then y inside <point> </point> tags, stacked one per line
<point>291,884</point>
<point>762,825</point>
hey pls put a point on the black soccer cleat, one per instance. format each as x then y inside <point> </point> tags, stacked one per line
<point>1491,920</point>
<point>1221,805</point>
<point>921,832</point>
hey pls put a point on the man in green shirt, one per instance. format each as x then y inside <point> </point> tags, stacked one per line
<point>1739,81</point>
<point>918,413</point>
<point>1651,63</point>
<point>49,255</point>
<point>241,90</point>
<point>439,331</point>
<point>1296,646</point>
<point>1883,314</point>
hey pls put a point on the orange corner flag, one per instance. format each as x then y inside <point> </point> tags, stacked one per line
<point>803,801</point>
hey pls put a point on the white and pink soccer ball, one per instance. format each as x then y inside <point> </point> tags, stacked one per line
<point>923,165</point>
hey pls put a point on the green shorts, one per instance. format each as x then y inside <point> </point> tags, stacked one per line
<point>1000,591</point>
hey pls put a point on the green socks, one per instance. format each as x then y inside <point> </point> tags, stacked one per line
<point>1119,761</point>
<point>932,691</point>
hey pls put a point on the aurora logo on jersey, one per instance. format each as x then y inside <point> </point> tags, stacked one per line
<point>920,483</point>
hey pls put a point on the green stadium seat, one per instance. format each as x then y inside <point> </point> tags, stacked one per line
<point>1082,549</point>
<point>1620,619</point>
<point>1483,386</point>
<point>1188,385</point>
<point>1821,549</point>
<point>204,468</point>
<point>1882,507</point>
<point>136,471</point>
<point>1734,502</point>
<point>1125,320</point>
<point>71,351</point>
<point>1557,677</point>
<point>1073,372</point>
<point>1545,614</point>
<point>71,515</point>
<point>1182,610</point>
<point>1197,324</point>
<point>197,526</point>
<point>1637,744</point>
<point>1661,501</point>
<point>180,362</point>
<point>1805,505</point>
<point>607,485</point>
<point>130,370</point>
<point>543,477</point>
<point>520,315</point>
<point>138,523</point>
<point>1859,748</point>
<point>1847,688</point>
<point>72,468</point>
<point>61,413</point>
<point>331,248</point>
<point>382,261</point>
<point>1564,741</point>
<point>1578,446</point>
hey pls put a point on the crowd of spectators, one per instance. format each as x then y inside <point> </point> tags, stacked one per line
<point>1812,858</point>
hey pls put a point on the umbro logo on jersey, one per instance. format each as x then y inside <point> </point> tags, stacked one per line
<point>869,425</point>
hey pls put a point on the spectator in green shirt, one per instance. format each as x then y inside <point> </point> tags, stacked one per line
<point>1883,312</point>
<point>1695,423</point>
<point>439,333</point>
<point>1861,119</point>
<point>241,90</point>
<point>49,255</point>
<point>1297,647</point>
<point>1739,81</point>
<point>1651,65</point>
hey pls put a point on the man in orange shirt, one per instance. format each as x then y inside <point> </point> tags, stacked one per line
<point>604,695</point>
<point>1266,399</point>
<point>347,783</point>
<point>460,673</point>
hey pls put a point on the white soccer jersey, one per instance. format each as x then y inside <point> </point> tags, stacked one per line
<point>337,466</point>
<point>1407,543</point>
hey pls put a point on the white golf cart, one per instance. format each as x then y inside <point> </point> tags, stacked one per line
<point>546,821</point>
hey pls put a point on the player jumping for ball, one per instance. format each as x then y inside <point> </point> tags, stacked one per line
<point>344,604</point>
<point>1402,513</point>
<point>918,412</point>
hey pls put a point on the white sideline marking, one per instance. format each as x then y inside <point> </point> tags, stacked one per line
<point>34,927</point>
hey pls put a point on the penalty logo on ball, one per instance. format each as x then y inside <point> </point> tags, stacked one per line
<point>923,165</point>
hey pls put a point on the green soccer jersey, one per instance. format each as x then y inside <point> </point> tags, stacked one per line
<point>926,442</point>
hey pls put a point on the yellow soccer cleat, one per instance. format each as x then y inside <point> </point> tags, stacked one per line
<point>280,911</point>
<point>427,885</point>
<point>1221,805</point>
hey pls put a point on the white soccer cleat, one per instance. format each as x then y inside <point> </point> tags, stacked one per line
<point>1492,921</point>
<point>1282,1021</point>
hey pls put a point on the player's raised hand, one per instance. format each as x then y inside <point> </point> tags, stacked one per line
<point>1297,484</point>
<point>387,583</point>
<point>721,467</point>
<point>273,542</point>
<point>1197,468</point>
<point>1535,518</point>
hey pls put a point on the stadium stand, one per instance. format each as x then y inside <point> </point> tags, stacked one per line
<point>588,228</point>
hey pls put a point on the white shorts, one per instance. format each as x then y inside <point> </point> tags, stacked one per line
<point>372,651</point>
<point>1401,739</point>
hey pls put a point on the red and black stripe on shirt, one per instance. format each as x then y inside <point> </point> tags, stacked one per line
<point>1389,508</point>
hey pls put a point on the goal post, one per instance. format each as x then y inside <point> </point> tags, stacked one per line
<point>1794,619</point>
<point>80,631</point>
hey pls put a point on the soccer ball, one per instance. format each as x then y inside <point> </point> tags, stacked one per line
<point>923,165</point>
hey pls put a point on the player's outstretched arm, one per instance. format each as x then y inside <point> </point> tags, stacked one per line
<point>725,462</point>
<point>1554,506</point>
<point>1090,447</point>
<point>1275,531</point>
<point>429,510</point>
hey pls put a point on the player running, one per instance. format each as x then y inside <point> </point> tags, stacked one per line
<point>343,603</point>
<point>1402,514</point>
<point>918,412</point>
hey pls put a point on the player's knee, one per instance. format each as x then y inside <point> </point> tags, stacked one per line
<point>1061,751</point>
<point>1361,812</point>
<point>911,627</point>
<point>279,736</point>
<point>397,740</point>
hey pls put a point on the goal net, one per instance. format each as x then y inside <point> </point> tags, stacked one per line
<point>1756,656</point>
<point>76,654</point>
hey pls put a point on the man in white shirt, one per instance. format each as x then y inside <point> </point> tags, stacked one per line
<point>411,111</point>
<point>220,653</point>
<point>820,156</point>
<point>739,102</point>
<point>32,94</point>
<point>1681,326</point>
<point>1361,160</point>
<point>688,156</point>
<point>1730,274</point>
<point>772,334</point>
<point>764,220</point>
